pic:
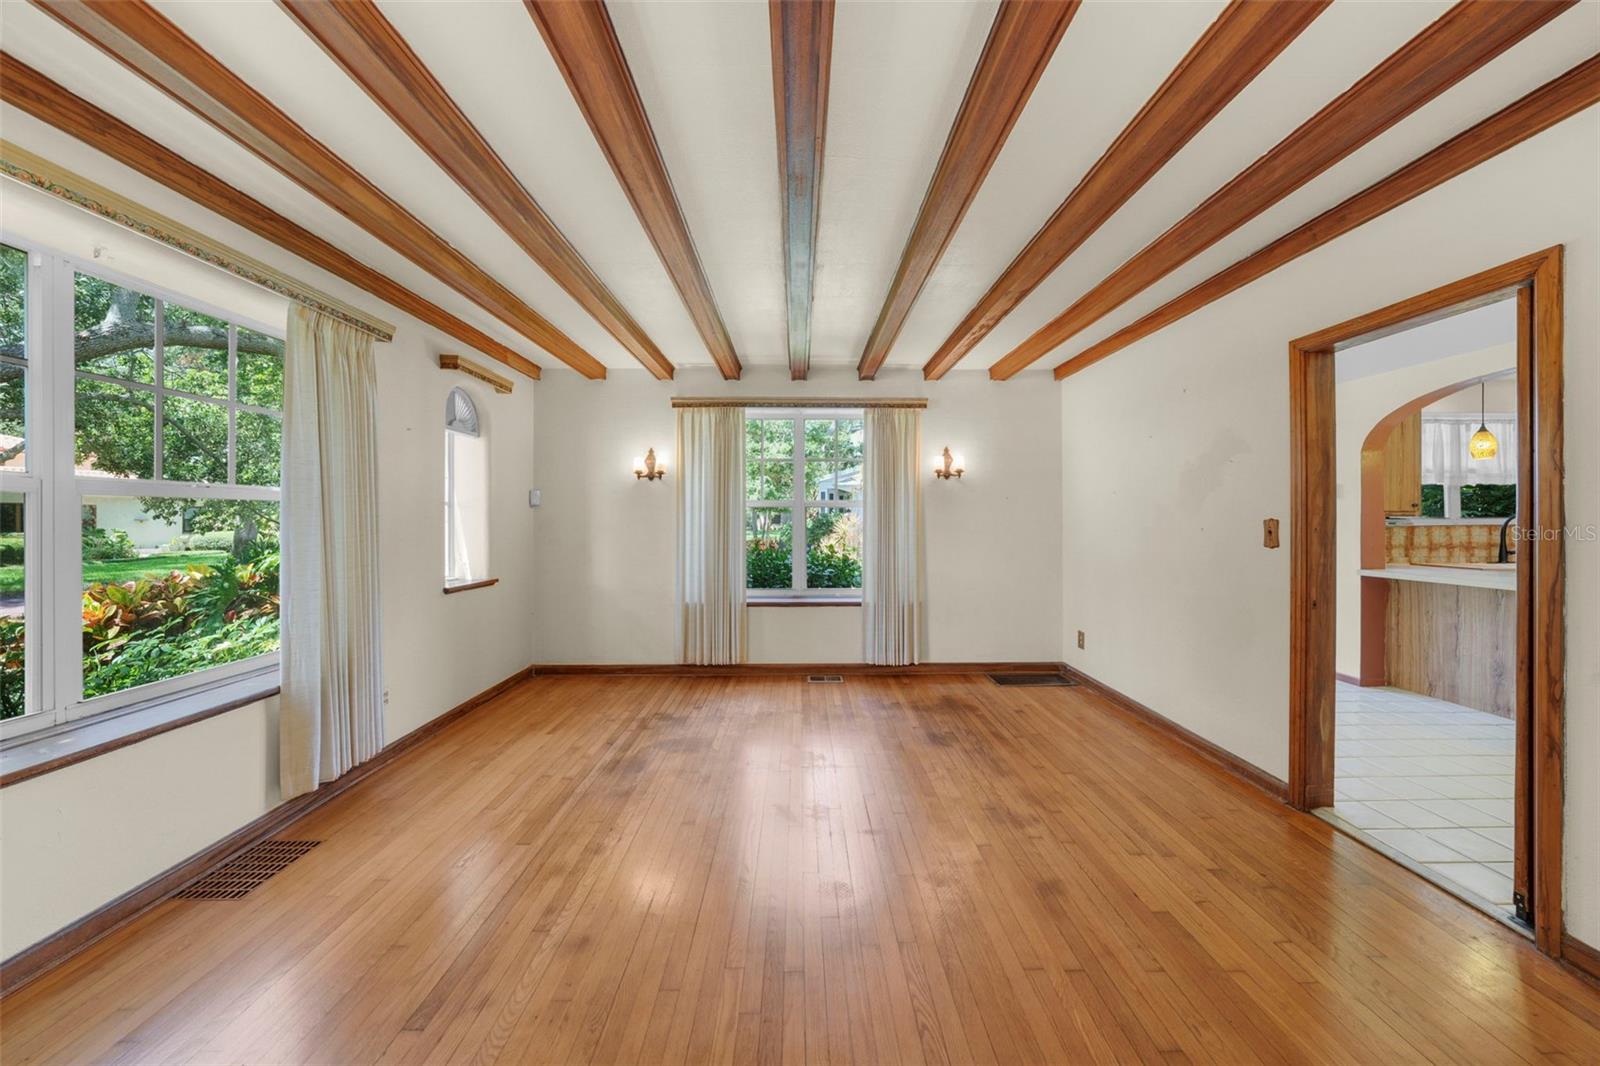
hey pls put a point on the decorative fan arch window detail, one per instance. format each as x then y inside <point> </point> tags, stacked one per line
<point>460,413</point>
<point>466,492</point>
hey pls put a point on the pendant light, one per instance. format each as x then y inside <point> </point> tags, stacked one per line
<point>1482,445</point>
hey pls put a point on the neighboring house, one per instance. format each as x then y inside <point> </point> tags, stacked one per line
<point>104,512</point>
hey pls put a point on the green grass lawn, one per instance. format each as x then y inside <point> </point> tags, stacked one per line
<point>120,569</point>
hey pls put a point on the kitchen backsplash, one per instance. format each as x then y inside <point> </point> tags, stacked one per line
<point>1418,545</point>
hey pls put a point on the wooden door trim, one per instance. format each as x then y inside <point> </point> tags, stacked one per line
<point>1536,280</point>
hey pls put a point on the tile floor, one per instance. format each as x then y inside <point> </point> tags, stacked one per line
<point>1430,781</point>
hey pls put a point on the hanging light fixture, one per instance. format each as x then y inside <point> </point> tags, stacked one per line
<point>1482,445</point>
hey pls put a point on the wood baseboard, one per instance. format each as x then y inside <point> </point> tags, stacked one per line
<point>788,669</point>
<point>1219,756</point>
<point>38,959</point>
<point>1580,956</point>
<point>1349,679</point>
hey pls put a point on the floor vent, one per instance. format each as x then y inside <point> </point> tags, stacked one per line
<point>824,679</point>
<point>240,877</point>
<point>1031,679</point>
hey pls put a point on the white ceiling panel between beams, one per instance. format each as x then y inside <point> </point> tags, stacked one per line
<point>263,45</point>
<point>899,73</point>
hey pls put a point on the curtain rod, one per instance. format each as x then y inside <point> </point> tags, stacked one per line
<point>793,401</point>
<point>23,166</point>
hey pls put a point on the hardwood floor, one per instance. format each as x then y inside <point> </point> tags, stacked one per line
<point>918,869</point>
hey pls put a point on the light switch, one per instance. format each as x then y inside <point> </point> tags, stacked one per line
<point>533,497</point>
<point>1269,532</point>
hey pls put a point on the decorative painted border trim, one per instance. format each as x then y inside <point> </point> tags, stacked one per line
<point>794,401</point>
<point>23,166</point>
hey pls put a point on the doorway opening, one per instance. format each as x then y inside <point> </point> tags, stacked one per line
<point>1427,643</point>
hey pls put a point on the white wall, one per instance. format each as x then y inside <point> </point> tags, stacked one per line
<point>1358,406</point>
<point>1178,446</point>
<point>126,513</point>
<point>74,839</point>
<point>606,540</point>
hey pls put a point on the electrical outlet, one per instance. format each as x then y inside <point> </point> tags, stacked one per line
<point>1080,638</point>
<point>386,697</point>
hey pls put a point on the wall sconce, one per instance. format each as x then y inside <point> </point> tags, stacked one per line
<point>947,466</point>
<point>646,469</point>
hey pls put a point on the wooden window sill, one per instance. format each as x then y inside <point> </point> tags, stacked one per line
<point>802,601</point>
<point>468,586</point>
<point>28,757</point>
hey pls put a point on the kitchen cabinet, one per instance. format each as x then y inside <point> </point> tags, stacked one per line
<point>1402,468</point>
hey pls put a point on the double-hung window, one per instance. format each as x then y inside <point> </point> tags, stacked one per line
<point>466,493</point>
<point>141,437</point>
<point>803,516</point>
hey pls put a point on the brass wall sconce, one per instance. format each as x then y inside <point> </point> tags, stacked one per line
<point>948,466</point>
<point>646,469</point>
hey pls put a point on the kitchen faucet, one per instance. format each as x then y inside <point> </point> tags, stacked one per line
<point>1504,556</point>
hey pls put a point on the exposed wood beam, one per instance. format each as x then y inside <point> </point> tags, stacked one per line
<point>28,90</point>
<point>1021,41</point>
<point>1245,37</point>
<point>802,49</point>
<point>584,44</point>
<point>146,42</point>
<point>1553,102</point>
<point>1459,42</point>
<point>355,35</point>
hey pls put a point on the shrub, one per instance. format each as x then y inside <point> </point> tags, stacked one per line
<point>829,568</point>
<point>12,632</point>
<point>100,545</point>
<point>136,632</point>
<point>767,566</point>
<point>219,541</point>
<point>11,549</point>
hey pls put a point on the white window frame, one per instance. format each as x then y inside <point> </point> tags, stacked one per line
<point>54,547</point>
<point>452,433</point>
<point>797,504</point>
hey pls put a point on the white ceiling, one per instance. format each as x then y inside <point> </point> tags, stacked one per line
<point>1490,326</point>
<point>704,72</point>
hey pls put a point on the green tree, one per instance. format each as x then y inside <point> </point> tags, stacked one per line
<point>115,422</point>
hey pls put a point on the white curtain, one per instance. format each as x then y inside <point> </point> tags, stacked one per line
<point>711,500</point>
<point>331,710</point>
<point>892,567</point>
<point>1446,461</point>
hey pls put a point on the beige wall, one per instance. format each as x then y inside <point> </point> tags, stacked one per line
<point>1182,442</point>
<point>607,564</point>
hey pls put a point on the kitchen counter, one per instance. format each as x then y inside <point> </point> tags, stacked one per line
<point>1486,576</point>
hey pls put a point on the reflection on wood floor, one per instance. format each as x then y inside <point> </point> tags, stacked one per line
<point>924,869</point>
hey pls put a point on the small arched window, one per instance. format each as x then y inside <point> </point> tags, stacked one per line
<point>466,492</point>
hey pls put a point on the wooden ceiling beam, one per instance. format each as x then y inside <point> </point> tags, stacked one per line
<point>802,51</point>
<point>1460,41</point>
<point>584,44</point>
<point>146,42</point>
<point>1554,102</point>
<point>371,51</point>
<point>1021,41</point>
<point>1237,46</point>
<point>28,90</point>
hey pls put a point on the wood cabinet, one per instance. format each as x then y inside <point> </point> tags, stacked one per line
<point>1402,468</point>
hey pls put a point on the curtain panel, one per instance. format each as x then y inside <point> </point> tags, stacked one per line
<point>330,714</point>
<point>711,502</point>
<point>1446,461</point>
<point>894,617</point>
